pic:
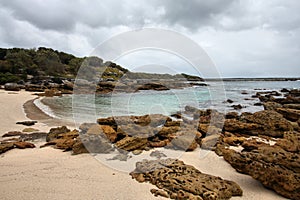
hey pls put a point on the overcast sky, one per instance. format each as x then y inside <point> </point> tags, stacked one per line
<point>245,38</point>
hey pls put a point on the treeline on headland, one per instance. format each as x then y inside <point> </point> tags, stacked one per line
<point>18,64</point>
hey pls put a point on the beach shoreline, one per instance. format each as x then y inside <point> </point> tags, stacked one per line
<point>50,174</point>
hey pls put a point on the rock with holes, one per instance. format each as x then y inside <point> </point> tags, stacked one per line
<point>180,181</point>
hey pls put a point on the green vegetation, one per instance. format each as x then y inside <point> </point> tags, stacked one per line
<point>20,64</point>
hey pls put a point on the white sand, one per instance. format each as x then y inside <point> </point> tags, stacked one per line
<point>51,174</point>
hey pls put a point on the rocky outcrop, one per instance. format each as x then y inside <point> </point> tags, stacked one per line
<point>290,114</point>
<point>274,167</point>
<point>267,122</point>
<point>177,180</point>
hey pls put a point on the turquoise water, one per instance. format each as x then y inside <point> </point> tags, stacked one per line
<point>87,108</point>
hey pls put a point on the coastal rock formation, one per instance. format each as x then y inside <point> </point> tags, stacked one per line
<point>274,167</point>
<point>267,122</point>
<point>177,180</point>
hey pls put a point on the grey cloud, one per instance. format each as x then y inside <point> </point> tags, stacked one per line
<point>243,37</point>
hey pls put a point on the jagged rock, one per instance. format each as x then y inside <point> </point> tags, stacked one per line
<point>271,105</point>
<point>13,134</point>
<point>274,167</point>
<point>27,123</point>
<point>54,132</point>
<point>181,181</point>
<point>290,114</point>
<point>132,143</point>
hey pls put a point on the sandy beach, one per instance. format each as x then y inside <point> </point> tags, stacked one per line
<point>47,173</point>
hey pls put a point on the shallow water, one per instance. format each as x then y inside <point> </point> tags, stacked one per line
<point>87,108</point>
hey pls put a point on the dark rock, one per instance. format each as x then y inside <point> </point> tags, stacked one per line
<point>177,115</point>
<point>258,104</point>
<point>229,101</point>
<point>27,123</point>
<point>237,107</point>
<point>181,181</point>
<point>232,115</point>
<point>284,90</point>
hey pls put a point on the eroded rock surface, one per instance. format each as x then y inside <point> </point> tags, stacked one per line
<point>177,180</point>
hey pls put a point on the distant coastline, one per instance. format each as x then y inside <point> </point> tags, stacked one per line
<point>254,79</point>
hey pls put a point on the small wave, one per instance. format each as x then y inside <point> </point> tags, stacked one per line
<point>46,109</point>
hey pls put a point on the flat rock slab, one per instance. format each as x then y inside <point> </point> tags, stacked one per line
<point>177,180</point>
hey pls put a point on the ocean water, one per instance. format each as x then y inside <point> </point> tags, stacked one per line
<point>87,108</point>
